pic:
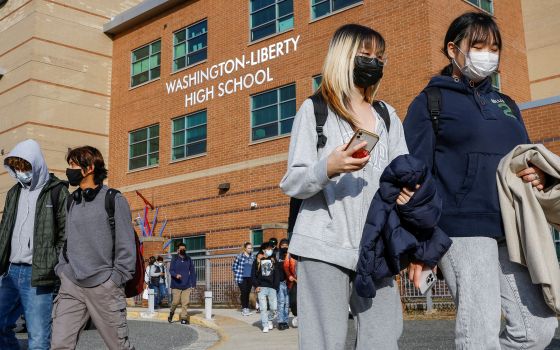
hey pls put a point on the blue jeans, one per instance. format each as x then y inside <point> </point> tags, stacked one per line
<point>17,296</point>
<point>283,303</point>
<point>162,293</point>
<point>263,294</point>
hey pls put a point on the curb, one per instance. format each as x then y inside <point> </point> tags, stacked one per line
<point>141,314</point>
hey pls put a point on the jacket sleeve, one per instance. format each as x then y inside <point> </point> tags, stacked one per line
<point>172,267</point>
<point>60,236</point>
<point>153,272</point>
<point>306,174</point>
<point>192,274</point>
<point>125,243</point>
<point>254,273</point>
<point>235,265</point>
<point>419,132</point>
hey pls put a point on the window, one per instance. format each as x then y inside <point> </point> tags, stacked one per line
<point>145,63</point>
<point>271,16</point>
<point>556,239</point>
<point>189,135</point>
<point>486,5</point>
<point>272,112</point>
<point>143,147</point>
<point>317,82</point>
<point>189,45</point>
<point>256,238</point>
<point>496,84</point>
<point>320,8</point>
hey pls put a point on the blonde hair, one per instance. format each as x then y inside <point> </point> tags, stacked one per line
<point>338,68</point>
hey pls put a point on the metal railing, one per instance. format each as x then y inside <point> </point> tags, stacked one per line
<point>214,274</point>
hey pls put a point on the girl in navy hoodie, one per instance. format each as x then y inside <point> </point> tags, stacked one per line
<point>477,126</point>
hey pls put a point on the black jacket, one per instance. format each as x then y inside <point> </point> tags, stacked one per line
<point>407,232</point>
<point>266,272</point>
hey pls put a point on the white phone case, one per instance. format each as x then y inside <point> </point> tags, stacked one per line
<point>428,279</point>
<point>362,135</point>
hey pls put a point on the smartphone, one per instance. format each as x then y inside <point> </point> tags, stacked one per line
<point>428,279</point>
<point>359,136</point>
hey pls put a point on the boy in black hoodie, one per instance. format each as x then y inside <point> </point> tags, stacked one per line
<point>266,280</point>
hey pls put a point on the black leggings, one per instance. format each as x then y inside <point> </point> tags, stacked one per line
<point>245,286</point>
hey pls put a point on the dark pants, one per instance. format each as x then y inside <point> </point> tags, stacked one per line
<point>292,294</point>
<point>245,286</point>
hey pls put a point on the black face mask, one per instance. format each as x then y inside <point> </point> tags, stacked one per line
<point>367,71</point>
<point>182,252</point>
<point>74,176</point>
<point>283,252</point>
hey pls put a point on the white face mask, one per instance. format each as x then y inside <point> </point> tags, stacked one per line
<point>479,64</point>
<point>24,177</point>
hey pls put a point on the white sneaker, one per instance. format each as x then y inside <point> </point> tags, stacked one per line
<point>270,325</point>
<point>265,329</point>
<point>294,322</point>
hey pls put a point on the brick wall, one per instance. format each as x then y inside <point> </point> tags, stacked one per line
<point>544,126</point>
<point>414,32</point>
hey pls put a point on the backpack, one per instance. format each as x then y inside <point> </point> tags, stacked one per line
<point>321,112</point>
<point>433,94</point>
<point>135,285</point>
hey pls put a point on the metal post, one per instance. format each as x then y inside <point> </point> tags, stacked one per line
<point>208,292</point>
<point>429,302</point>
<point>151,295</point>
<point>208,305</point>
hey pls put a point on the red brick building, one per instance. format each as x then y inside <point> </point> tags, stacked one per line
<point>203,97</point>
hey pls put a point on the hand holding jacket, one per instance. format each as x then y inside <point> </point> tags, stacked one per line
<point>393,232</point>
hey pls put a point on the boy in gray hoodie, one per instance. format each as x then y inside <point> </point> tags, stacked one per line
<point>93,266</point>
<point>31,235</point>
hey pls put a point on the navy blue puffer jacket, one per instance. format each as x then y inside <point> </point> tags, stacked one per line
<point>393,232</point>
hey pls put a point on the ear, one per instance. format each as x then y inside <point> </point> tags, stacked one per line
<point>451,50</point>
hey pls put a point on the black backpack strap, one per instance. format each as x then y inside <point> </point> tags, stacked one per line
<point>434,106</point>
<point>321,112</point>
<point>110,209</point>
<point>382,110</point>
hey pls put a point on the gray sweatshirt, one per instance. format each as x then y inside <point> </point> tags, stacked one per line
<point>24,227</point>
<point>90,243</point>
<point>332,216</point>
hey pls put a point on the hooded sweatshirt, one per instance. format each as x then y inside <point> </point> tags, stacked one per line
<point>22,238</point>
<point>334,210</point>
<point>476,130</point>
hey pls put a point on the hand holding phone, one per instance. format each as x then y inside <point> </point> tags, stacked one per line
<point>427,279</point>
<point>360,136</point>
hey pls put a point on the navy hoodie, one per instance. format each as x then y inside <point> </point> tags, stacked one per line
<point>184,266</point>
<point>476,130</point>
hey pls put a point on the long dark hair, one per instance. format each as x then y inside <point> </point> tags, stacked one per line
<point>476,28</point>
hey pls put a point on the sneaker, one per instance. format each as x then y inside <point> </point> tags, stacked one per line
<point>265,329</point>
<point>170,318</point>
<point>184,322</point>
<point>294,322</point>
<point>246,312</point>
<point>283,326</point>
<point>270,325</point>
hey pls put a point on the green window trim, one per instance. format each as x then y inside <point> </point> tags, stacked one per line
<point>143,147</point>
<point>190,45</point>
<point>496,81</point>
<point>273,112</point>
<point>269,17</point>
<point>145,63</point>
<point>317,79</point>
<point>256,238</point>
<point>486,5</point>
<point>189,135</point>
<point>323,8</point>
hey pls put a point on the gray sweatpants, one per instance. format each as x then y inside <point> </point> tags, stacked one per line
<point>484,283</point>
<point>106,304</point>
<point>324,294</point>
